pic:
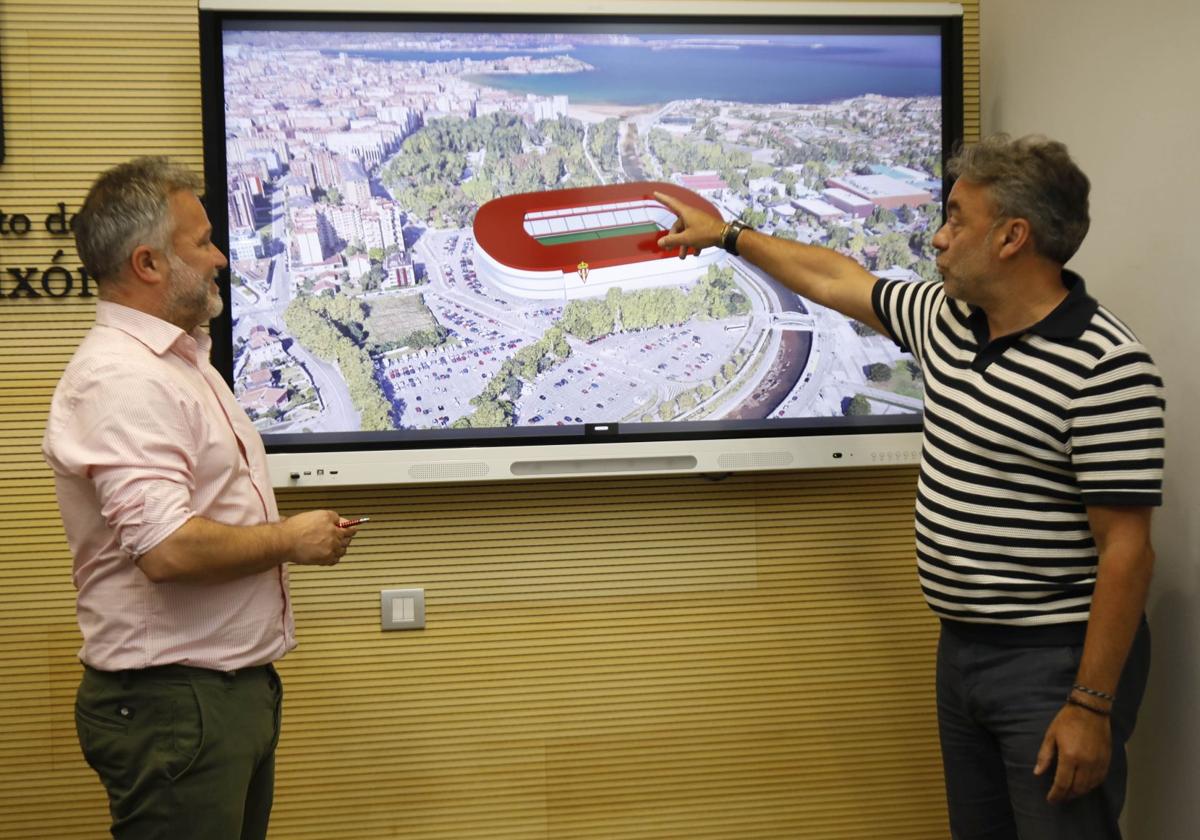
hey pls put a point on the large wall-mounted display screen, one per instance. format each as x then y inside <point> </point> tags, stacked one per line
<point>442,229</point>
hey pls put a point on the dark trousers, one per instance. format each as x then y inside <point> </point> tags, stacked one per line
<point>183,752</point>
<point>995,703</point>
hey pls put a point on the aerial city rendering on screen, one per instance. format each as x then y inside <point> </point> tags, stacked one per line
<point>456,230</point>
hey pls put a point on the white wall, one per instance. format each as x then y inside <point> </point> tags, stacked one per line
<point>1117,82</point>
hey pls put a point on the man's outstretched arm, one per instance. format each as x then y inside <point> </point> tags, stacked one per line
<point>819,274</point>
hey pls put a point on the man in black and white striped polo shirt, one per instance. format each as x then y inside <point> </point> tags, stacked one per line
<point>1041,463</point>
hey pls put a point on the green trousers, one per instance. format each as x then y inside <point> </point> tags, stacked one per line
<point>183,752</point>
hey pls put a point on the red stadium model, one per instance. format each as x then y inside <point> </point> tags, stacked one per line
<point>580,242</point>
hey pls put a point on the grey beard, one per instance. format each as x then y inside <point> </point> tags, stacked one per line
<point>189,296</point>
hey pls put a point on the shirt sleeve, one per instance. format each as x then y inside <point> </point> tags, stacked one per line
<point>132,437</point>
<point>905,309</point>
<point>1117,425</point>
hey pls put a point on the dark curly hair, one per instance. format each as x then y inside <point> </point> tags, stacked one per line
<point>1031,178</point>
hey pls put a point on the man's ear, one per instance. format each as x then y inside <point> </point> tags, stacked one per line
<point>1016,235</point>
<point>147,265</point>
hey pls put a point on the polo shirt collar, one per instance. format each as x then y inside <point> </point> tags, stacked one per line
<point>1067,320</point>
<point>1072,316</point>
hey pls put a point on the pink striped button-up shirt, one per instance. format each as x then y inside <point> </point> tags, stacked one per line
<point>144,434</point>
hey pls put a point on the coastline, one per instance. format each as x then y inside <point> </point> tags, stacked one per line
<point>596,112</point>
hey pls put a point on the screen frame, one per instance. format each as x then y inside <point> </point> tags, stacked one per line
<point>375,458</point>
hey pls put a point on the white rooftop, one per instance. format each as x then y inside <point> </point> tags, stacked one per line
<point>846,196</point>
<point>817,207</point>
<point>878,185</point>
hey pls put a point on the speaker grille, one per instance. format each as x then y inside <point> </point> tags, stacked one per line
<point>754,460</point>
<point>448,471</point>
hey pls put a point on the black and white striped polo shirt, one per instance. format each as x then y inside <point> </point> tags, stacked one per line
<point>1021,435</point>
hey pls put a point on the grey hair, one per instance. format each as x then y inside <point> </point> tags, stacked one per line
<point>1031,178</point>
<point>127,206</point>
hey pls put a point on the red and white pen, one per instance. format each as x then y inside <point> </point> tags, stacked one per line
<point>350,523</point>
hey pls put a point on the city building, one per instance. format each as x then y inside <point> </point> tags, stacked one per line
<point>845,200</point>
<point>820,209</point>
<point>882,190</point>
<point>245,245</point>
<point>702,181</point>
<point>261,400</point>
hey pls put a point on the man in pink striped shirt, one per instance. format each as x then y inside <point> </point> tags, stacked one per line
<point>180,555</point>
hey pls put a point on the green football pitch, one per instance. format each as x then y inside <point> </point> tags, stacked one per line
<point>601,233</point>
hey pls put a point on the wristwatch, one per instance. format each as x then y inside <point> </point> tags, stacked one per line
<point>729,236</point>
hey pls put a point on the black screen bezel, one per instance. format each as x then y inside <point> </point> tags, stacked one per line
<point>211,25</point>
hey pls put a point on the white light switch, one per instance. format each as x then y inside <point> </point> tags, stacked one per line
<point>402,609</point>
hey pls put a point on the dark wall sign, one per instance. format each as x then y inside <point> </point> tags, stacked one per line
<point>55,280</point>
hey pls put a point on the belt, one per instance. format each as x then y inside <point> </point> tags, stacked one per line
<point>178,671</point>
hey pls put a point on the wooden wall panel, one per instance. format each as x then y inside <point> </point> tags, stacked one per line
<point>614,658</point>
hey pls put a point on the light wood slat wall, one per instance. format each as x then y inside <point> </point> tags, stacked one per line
<point>617,658</point>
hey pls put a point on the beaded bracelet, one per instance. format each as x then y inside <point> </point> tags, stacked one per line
<point>1096,710</point>
<point>1103,695</point>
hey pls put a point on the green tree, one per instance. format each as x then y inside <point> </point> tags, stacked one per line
<point>373,278</point>
<point>856,406</point>
<point>839,237</point>
<point>893,251</point>
<point>878,372</point>
<point>881,217</point>
<point>754,217</point>
<point>588,319</point>
<point>488,414</point>
<point>927,270</point>
<point>480,190</point>
<point>602,144</point>
<point>761,170</point>
<point>307,321</point>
